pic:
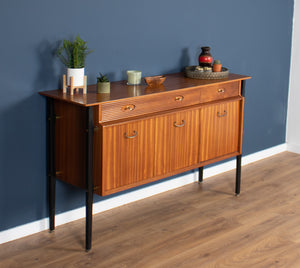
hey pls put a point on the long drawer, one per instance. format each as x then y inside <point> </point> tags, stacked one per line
<point>130,107</point>
<point>125,108</point>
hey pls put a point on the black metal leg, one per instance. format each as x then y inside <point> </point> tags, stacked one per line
<point>89,177</point>
<point>239,157</point>
<point>51,162</point>
<point>200,176</point>
<point>52,185</point>
<point>238,174</point>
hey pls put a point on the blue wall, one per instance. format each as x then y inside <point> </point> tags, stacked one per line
<point>251,37</point>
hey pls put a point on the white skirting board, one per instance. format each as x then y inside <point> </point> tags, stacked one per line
<point>43,224</point>
<point>295,148</point>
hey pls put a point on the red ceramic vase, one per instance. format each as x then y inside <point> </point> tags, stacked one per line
<point>205,58</point>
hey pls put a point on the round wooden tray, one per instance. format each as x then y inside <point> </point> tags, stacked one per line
<point>191,72</point>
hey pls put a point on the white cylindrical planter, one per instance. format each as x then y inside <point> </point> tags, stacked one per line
<point>78,76</point>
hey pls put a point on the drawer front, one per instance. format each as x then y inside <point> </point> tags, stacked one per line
<point>148,104</point>
<point>219,91</point>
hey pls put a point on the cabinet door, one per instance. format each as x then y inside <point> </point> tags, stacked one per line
<point>221,126</point>
<point>127,154</point>
<point>176,141</point>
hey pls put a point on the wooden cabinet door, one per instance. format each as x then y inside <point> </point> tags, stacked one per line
<point>221,129</point>
<point>176,141</point>
<point>127,154</point>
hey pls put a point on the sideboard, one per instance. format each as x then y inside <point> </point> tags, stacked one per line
<point>106,143</point>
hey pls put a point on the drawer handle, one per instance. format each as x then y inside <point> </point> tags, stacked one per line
<point>131,137</point>
<point>221,90</point>
<point>129,107</point>
<point>181,125</point>
<point>179,98</point>
<point>222,115</point>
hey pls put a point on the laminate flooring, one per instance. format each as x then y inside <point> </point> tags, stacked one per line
<point>198,225</point>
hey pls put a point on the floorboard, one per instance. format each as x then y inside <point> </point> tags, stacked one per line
<point>198,225</point>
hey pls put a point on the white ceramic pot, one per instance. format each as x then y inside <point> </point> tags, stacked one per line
<point>78,76</point>
<point>134,77</point>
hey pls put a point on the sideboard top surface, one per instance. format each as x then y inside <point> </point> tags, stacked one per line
<point>120,89</point>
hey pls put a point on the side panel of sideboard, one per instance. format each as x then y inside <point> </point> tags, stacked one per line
<point>69,143</point>
<point>70,147</point>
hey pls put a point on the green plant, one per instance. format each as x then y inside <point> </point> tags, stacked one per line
<point>217,62</point>
<point>72,54</point>
<point>102,78</point>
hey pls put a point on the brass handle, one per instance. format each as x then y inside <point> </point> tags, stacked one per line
<point>129,107</point>
<point>221,90</point>
<point>222,115</point>
<point>179,98</point>
<point>181,125</point>
<point>131,137</point>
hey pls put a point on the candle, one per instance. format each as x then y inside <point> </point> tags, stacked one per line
<point>134,77</point>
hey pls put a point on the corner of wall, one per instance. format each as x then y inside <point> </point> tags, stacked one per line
<point>292,124</point>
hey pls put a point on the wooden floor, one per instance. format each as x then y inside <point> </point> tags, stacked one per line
<point>198,225</point>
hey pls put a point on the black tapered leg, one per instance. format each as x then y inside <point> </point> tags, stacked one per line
<point>238,174</point>
<point>52,185</point>
<point>51,162</point>
<point>89,219</point>
<point>89,177</point>
<point>200,176</point>
<point>239,157</point>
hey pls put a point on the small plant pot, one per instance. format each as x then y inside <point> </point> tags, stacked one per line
<point>103,87</point>
<point>78,76</point>
<point>217,68</point>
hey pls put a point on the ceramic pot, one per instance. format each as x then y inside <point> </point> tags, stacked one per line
<point>217,67</point>
<point>103,87</point>
<point>78,76</point>
<point>134,77</point>
<point>205,58</point>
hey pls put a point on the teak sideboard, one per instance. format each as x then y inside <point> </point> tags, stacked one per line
<point>106,143</point>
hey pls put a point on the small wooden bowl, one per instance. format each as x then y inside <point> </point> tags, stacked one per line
<point>154,81</point>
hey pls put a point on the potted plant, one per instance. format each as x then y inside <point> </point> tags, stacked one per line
<point>103,84</point>
<point>217,66</point>
<point>72,55</point>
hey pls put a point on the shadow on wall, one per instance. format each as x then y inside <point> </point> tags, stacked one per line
<point>49,74</point>
<point>184,59</point>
